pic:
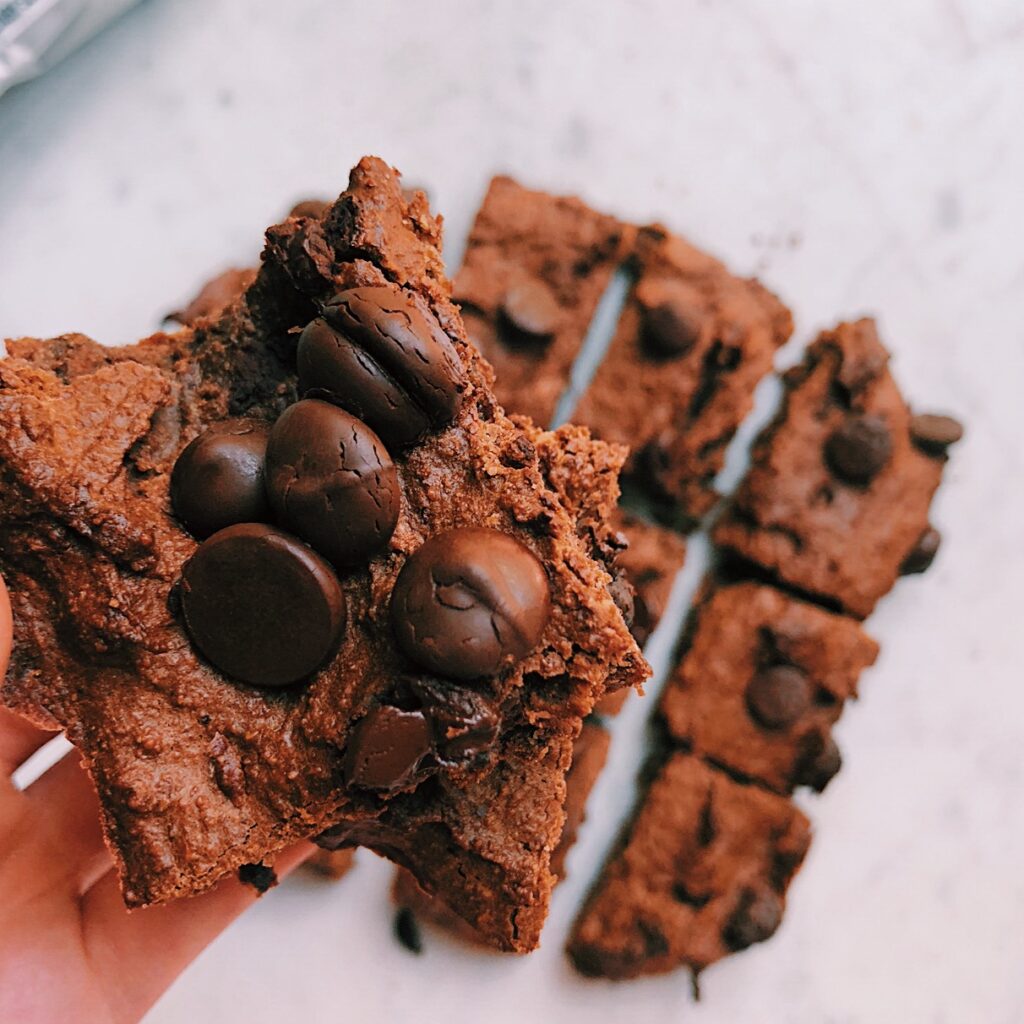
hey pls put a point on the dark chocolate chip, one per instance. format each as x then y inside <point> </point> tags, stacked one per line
<point>407,930</point>
<point>261,606</point>
<point>259,876</point>
<point>464,723</point>
<point>933,433</point>
<point>530,313</point>
<point>309,208</point>
<point>819,764</point>
<point>858,450</point>
<point>218,478</point>
<point>923,552</point>
<point>386,360</point>
<point>469,602</point>
<point>332,481</point>
<point>757,917</point>
<point>670,329</point>
<point>333,367</point>
<point>778,695</point>
<point>387,748</point>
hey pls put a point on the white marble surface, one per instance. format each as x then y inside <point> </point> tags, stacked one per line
<point>862,157</point>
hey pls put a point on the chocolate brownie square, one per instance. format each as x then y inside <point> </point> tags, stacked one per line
<point>588,757</point>
<point>199,773</point>
<point>763,679</point>
<point>535,268</point>
<point>691,345</point>
<point>836,501</point>
<point>701,873</point>
<point>647,565</point>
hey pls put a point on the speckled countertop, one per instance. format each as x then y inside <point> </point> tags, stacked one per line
<point>861,157</point>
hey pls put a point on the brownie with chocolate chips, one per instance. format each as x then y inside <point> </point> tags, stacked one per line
<point>836,502</point>
<point>691,345</point>
<point>701,872</point>
<point>762,681</point>
<point>326,703</point>
<point>535,268</point>
<point>588,757</point>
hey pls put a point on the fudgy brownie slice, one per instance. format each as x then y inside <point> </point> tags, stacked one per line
<point>701,873</point>
<point>691,345</point>
<point>762,681</point>
<point>588,757</point>
<point>535,268</point>
<point>648,565</point>
<point>198,774</point>
<point>836,501</point>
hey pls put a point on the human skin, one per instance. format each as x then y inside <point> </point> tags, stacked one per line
<point>69,950</point>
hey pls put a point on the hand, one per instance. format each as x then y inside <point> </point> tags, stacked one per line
<point>69,950</point>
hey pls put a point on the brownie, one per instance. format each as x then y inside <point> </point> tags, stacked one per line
<point>647,564</point>
<point>215,296</point>
<point>763,678</point>
<point>701,873</point>
<point>836,501</point>
<point>197,774</point>
<point>535,268</point>
<point>692,343</point>
<point>588,757</point>
<point>332,864</point>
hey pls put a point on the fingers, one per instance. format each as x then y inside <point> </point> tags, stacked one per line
<point>19,740</point>
<point>139,954</point>
<point>66,812</point>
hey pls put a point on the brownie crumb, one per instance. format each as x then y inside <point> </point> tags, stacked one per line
<point>407,930</point>
<point>259,876</point>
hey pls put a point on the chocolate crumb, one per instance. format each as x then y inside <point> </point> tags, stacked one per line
<point>259,876</point>
<point>407,931</point>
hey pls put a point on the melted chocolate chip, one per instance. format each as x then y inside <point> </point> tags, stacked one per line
<point>332,481</point>
<point>469,602</point>
<point>819,764</point>
<point>464,723</point>
<point>933,434</point>
<point>756,918</point>
<point>530,313</point>
<point>381,357</point>
<point>777,696</point>
<point>923,553</point>
<point>261,606</point>
<point>858,450</point>
<point>218,478</point>
<point>386,749</point>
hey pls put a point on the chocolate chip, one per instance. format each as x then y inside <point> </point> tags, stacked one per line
<point>757,917</point>
<point>530,313</point>
<point>332,481</point>
<point>858,450</point>
<point>923,553</point>
<point>218,478</point>
<point>259,876</point>
<point>261,606</point>
<point>469,602</point>
<point>407,930</point>
<point>377,354</point>
<point>464,723</point>
<point>386,749</point>
<point>777,696</point>
<point>309,208</point>
<point>669,329</point>
<point>933,434</point>
<point>819,764</point>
